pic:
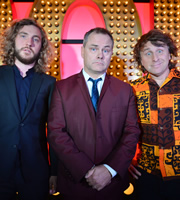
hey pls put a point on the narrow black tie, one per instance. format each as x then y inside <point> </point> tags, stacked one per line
<point>95,93</point>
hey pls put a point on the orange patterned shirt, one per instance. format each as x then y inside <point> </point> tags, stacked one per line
<point>159,113</point>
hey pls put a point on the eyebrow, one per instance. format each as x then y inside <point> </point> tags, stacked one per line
<point>148,49</point>
<point>22,32</point>
<point>95,45</point>
<point>145,49</point>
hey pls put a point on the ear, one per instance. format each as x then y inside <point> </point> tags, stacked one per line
<point>82,52</point>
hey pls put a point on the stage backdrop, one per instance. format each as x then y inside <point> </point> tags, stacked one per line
<point>67,21</point>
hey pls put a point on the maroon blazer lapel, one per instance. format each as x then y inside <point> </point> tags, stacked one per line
<point>85,93</point>
<point>104,88</point>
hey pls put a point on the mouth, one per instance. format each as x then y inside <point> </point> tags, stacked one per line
<point>99,63</point>
<point>157,64</point>
<point>27,50</point>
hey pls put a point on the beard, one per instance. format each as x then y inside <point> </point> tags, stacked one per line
<point>24,60</point>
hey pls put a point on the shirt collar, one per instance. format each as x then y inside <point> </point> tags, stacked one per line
<point>173,73</point>
<point>30,72</point>
<point>86,76</point>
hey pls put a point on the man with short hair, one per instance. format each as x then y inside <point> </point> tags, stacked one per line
<point>25,97</point>
<point>94,138</point>
<point>157,94</point>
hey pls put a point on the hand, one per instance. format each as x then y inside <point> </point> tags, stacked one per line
<point>52,184</point>
<point>134,172</point>
<point>98,177</point>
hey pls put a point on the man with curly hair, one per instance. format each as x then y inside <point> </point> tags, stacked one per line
<point>25,96</point>
<point>158,101</point>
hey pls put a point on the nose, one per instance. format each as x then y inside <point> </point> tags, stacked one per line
<point>29,42</point>
<point>100,54</point>
<point>155,57</point>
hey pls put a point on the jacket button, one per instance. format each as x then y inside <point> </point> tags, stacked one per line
<point>21,124</point>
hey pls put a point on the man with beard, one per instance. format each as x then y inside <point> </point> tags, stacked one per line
<point>25,96</point>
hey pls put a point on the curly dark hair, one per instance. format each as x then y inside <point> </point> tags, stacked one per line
<point>157,38</point>
<point>7,44</point>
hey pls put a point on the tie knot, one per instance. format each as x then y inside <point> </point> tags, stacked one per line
<point>95,81</point>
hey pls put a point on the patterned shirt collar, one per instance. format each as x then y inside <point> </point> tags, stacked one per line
<point>174,73</point>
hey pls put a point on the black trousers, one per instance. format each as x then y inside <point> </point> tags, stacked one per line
<point>151,187</point>
<point>36,190</point>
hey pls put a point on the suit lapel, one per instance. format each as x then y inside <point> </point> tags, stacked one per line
<point>104,88</point>
<point>34,89</point>
<point>8,76</point>
<point>85,92</point>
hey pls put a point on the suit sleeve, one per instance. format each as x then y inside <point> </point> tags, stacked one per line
<point>121,156</point>
<point>53,159</point>
<point>61,141</point>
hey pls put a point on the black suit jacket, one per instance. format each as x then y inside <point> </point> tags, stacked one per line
<point>29,131</point>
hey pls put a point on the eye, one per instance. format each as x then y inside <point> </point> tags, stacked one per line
<point>36,39</point>
<point>160,51</point>
<point>106,51</point>
<point>148,53</point>
<point>93,49</point>
<point>22,35</point>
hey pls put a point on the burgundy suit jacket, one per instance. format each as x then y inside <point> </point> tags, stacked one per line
<point>82,139</point>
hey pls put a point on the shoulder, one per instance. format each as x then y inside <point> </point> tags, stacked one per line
<point>118,87</point>
<point>69,81</point>
<point>142,81</point>
<point>117,82</point>
<point>47,77</point>
<point>4,67</point>
<point>176,73</point>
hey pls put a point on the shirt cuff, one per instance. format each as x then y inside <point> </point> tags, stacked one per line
<point>111,170</point>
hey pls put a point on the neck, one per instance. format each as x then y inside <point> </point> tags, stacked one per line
<point>160,79</point>
<point>94,75</point>
<point>23,68</point>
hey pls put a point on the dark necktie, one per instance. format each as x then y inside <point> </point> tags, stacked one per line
<point>95,94</point>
